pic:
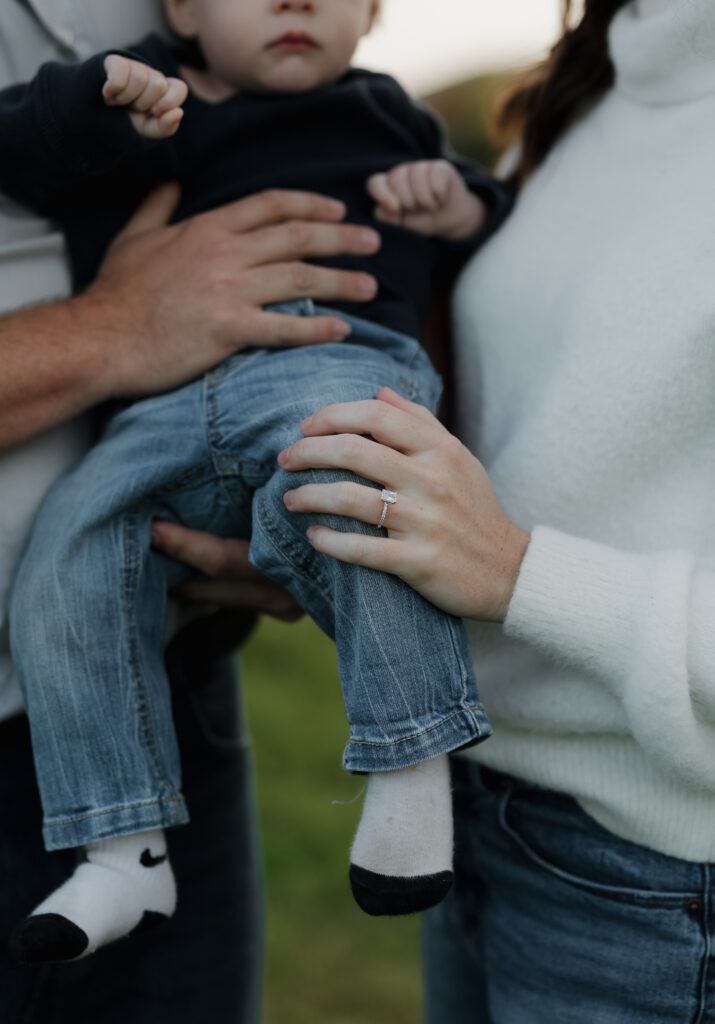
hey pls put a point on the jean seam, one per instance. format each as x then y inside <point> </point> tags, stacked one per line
<point>130,573</point>
<point>634,897</point>
<point>703,986</point>
<point>112,810</point>
<point>272,530</point>
<point>422,732</point>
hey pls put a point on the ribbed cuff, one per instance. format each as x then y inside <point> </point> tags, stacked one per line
<point>579,600</point>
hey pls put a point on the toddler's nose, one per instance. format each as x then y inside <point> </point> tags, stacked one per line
<point>306,6</point>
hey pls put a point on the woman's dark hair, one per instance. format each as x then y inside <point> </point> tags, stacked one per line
<point>545,101</point>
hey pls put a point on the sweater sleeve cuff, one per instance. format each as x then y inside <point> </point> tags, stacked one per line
<point>87,136</point>
<point>579,600</point>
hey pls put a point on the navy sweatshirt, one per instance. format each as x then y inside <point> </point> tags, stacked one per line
<point>72,158</point>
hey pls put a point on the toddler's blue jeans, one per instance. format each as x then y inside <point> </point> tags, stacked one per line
<point>88,601</point>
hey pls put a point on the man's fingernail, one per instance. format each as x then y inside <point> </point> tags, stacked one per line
<point>367,285</point>
<point>283,457</point>
<point>341,330</point>
<point>155,536</point>
<point>337,207</point>
<point>305,425</point>
<point>310,533</point>
<point>288,499</point>
<point>369,237</point>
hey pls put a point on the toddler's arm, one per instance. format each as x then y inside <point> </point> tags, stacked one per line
<point>153,101</point>
<point>430,197</point>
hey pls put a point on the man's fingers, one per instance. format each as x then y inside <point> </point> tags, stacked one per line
<point>274,206</point>
<point>154,212</point>
<point>297,240</point>
<point>259,596</point>
<point>216,557</point>
<point>277,329</point>
<point>284,282</point>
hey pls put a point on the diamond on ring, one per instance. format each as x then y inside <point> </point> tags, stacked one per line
<point>387,498</point>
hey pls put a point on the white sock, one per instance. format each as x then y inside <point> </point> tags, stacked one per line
<point>401,859</point>
<point>125,885</point>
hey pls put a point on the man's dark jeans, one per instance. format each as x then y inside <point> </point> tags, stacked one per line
<point>204,964</point>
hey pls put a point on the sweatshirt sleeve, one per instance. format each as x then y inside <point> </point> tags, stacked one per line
<point>57,131</point>
<point>644,624</point>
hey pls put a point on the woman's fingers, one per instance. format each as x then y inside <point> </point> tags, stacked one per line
<point>371,552</point>
<point>406,427</point>
<point>345,498</point>
<point>346,451</point>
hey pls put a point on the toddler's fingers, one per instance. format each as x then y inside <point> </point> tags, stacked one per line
<point>441,177</point>
<point>379,188</point>
<point>400,182</point>
<point>419,175</point>
<point>117,71</point>
<point>154,90</point>
<point>157,127</point>
<point>174,96</point>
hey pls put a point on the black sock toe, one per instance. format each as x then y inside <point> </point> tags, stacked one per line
<point>380,895</point>
<point>47,937</point>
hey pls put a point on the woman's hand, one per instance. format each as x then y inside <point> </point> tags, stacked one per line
<point>232,581</point>
<point>448,536</point>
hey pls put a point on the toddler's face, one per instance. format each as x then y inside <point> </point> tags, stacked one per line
<point>274,45</point>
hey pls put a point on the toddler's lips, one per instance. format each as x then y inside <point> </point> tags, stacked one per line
<point>293,41</point>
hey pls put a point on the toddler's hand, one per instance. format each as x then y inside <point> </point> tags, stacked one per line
<point>428,196</point>
<point>153,101</point>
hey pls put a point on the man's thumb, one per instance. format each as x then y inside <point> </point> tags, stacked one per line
<point>154,212</point>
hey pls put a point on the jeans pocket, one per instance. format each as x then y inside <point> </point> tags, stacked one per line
<point>555,834</point>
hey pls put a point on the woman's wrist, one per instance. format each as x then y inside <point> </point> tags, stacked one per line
<point>512,556</point>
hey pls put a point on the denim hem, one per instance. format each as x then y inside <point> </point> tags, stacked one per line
<point>461,729</point>
<point>114,821</point>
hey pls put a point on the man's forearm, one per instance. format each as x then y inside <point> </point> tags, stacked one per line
<point>53,366</point>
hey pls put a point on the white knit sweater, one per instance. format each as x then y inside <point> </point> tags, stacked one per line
<point>586,368</point>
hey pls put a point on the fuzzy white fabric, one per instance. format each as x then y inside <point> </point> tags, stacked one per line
<point>586,369</point>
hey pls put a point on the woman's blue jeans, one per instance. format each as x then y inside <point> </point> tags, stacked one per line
<point>554,920</point>
<point>206,965</point>
<point>88,603</point>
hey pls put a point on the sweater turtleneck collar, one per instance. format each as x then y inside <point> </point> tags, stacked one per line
<point>664,50</point>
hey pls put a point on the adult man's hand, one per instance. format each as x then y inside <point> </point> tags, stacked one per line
<point>171,301</point>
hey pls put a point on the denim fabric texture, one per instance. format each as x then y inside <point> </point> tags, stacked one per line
<point>88,600</point>
<point>553,920</point>
<point>203,964</point>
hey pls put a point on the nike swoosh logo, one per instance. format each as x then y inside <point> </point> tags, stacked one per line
<point>148,861</point>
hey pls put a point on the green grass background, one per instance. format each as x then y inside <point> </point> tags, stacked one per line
<point>326,960</point>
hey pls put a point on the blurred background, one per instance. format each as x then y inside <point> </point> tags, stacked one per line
<point>328,963</point>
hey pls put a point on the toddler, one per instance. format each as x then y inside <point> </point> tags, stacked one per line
<point>266,98</point>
